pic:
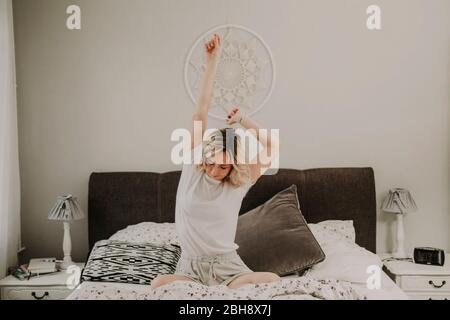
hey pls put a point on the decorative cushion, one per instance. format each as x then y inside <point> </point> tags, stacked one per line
<point>275,237</point>
<point>138,263</point>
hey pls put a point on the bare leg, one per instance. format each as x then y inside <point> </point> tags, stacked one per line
<point>255,277</point>
<point>163,279</point>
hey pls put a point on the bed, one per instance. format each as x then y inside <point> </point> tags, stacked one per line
<point>118,200</point>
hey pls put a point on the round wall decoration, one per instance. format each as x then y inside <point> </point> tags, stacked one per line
<point>245,74</point>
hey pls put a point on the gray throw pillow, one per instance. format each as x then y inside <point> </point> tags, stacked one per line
<point>275,237</point>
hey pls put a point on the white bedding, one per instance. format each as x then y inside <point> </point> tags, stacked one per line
<point>289,288</point>
<point>342,275</point>
<point>388,290</point>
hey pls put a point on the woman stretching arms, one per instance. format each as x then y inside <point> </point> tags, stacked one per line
<point>210,195</point>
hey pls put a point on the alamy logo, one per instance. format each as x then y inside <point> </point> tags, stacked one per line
<point>252,150</point>
<point>73,280</point>
<point>374,19</point>
<point>374,280</point>
<point>73,22</point>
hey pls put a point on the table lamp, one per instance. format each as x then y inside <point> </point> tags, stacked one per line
<point>66,209</point>
<point>399,201</point>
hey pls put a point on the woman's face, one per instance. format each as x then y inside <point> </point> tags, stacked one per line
<point>216,167</point>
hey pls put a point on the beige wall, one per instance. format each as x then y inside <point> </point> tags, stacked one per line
<point>105,98</point>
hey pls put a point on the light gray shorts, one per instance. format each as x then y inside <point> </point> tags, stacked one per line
<point>212,270</point>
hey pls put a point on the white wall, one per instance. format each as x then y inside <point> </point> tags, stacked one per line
<point>107,98</point>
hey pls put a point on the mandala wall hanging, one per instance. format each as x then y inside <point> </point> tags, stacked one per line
<point>245,74</point>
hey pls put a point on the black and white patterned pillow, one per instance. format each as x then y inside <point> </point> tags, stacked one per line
<point>137,263</point>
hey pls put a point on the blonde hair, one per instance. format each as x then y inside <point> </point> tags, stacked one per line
<point>226,140</point>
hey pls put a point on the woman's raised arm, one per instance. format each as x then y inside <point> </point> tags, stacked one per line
<point>263,159</point>
<point>212,54</point>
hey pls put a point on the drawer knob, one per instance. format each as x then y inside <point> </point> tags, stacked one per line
<point>41,297</point>
<point>436,285</point>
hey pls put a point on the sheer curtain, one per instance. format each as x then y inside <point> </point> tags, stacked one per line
<point>9,158</point>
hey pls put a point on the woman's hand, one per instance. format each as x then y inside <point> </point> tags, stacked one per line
<point>235,116</point>
<point>213,49</point>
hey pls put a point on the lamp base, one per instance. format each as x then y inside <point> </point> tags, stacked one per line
<point>67,248</point>
<point>400,255</point>
<point>66,263</point>
<point>400,252</point>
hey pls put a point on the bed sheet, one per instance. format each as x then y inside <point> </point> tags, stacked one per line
<point>291,287</point>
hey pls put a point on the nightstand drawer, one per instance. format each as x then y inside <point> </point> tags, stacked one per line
<point>427,283</point>
<point>38,293</point>
<point>428,296</point>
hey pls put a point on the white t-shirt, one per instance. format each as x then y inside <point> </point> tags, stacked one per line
<point>206,212</point>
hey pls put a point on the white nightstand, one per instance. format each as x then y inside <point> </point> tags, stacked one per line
<point>46,287</point>
<point>420,282</point>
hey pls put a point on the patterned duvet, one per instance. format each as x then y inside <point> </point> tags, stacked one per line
<point>298,288</point>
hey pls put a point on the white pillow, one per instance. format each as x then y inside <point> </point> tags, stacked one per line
<point>152,232</point>
<point>344,259</point>
<point>163,233</point>
<point>333,230</point>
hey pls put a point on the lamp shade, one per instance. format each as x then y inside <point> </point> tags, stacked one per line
<point>399,200</point>
<point>66,208</point>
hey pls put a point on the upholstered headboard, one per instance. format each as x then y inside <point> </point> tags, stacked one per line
<point>119,199</point>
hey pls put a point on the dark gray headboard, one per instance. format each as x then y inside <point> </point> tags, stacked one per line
<point>119,199</point>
